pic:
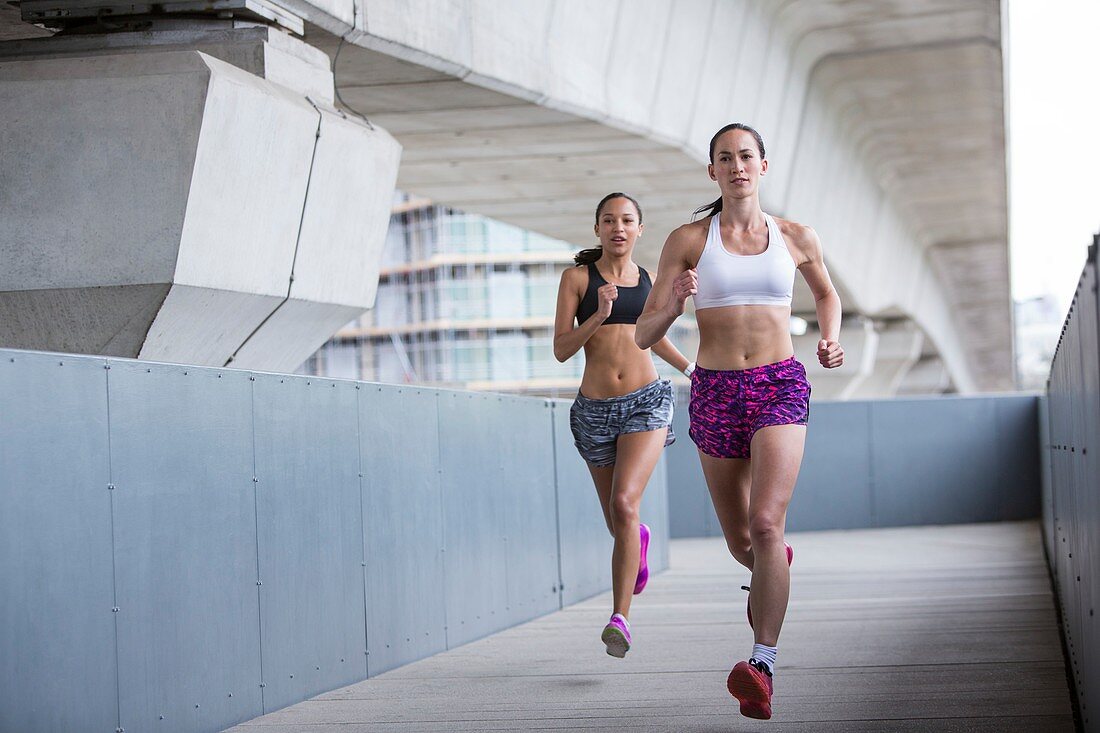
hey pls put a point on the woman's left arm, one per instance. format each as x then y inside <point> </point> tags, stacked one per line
<point>826,301</point>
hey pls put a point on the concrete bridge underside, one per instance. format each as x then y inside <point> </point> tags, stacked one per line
<point>884,121</point>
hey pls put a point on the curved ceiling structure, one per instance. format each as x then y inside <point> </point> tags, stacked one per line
<point>884,119</point>
<point>885,122</point>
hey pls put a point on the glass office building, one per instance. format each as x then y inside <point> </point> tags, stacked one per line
<point>467,302</point>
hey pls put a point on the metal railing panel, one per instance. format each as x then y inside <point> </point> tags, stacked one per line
<point>834,488</point>
<point>1088,467</point>
<point>583,532</point>
<point>654,512</point>
<point>238,526</point>
<point>894,462</point>
<point>525,442</point>
<point>182,463</point>
<point>1072,518</point>
<point>690,511</point>
<point>404,522</point>
<point>496,456</point>
<point>57,629</point>
<point>309,516</point>
<point>940,461</point>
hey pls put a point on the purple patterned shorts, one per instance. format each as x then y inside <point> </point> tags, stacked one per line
<point>728,407</point>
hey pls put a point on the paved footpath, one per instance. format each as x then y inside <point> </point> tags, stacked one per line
<point>912,629</point>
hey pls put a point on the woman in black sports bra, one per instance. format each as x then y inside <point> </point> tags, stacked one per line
<point>622,416</point>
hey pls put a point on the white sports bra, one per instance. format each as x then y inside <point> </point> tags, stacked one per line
<point>729,279</point>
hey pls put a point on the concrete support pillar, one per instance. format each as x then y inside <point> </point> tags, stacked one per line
<point>879,358</point>
<point>860,342</point>
<point>899,347</point>
<point>185,195</point>
<point>928,376</point>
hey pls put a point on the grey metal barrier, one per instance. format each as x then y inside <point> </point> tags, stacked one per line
<point>1071,488</point>
<point>883,463</point>
<point>185,548</point>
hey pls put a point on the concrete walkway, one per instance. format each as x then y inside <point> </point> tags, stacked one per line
<point>914,629</point>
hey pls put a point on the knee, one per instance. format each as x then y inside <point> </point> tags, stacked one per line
<point>741,549</point>
<point>624,511</point>
<point>766,528</point>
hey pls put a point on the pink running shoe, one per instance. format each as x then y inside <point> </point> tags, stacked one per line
<point>616,635</point>
<point>751,683</point>
<point>643,563</point>
<point>748,606</point>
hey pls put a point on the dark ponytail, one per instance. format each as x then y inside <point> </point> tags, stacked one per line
<point>588,256</point>
<point>713,208</point>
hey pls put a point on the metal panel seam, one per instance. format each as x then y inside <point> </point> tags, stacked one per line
<point>557,498</point>
<point>871,463</point>
<point>363,529</point>
<point>256,520</point>
<point>442,517</point>
<point>114,574</point>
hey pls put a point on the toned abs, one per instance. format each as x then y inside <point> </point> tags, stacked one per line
<point>743,336</point>
<point>613,364</point>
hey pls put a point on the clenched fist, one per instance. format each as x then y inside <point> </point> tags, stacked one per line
<point>830,354</point>
<point>607,295</point>
<point>684,286</point>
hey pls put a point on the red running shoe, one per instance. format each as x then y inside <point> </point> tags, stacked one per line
<point>748,606</point>
<point>751,683</point>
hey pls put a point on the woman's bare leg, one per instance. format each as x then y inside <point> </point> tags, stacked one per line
<point>776,458</point>
<point>636,456</point>
<point>728,480</point>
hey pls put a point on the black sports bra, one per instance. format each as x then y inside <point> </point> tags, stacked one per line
<point>625,309</point>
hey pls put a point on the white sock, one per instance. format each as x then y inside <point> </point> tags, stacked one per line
<point>765,654</point>
<point>627,623</point>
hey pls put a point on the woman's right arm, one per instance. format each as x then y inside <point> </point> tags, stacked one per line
<point>569,340</point>
<point>676,281</point>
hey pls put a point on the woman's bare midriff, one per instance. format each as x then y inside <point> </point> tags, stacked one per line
<point>613,363</point>
<point>743,336</point>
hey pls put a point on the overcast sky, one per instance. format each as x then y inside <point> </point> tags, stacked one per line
<point>1053,141</point>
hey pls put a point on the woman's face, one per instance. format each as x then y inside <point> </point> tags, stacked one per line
<point>618,226</point>
<point>737,166</point>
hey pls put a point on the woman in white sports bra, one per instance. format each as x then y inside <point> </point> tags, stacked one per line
<point>749,395</point>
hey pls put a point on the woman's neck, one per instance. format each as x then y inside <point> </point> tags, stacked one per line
<point>616,266</point>
<point>742,214</point>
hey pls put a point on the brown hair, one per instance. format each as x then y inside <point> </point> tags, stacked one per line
<point>588,256</point>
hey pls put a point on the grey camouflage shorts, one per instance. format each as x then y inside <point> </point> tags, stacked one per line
<point>597,424</point>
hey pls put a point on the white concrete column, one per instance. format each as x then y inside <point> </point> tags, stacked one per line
<point>928,376</point>
<point>899,348</point>
<point>186,195</point>
<point>860,342</point>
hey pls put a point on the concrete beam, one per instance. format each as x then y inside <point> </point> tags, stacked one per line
<point>851,100</point>
<point>860,342</point>
<point>181,208</point>
<point>862,106</point>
